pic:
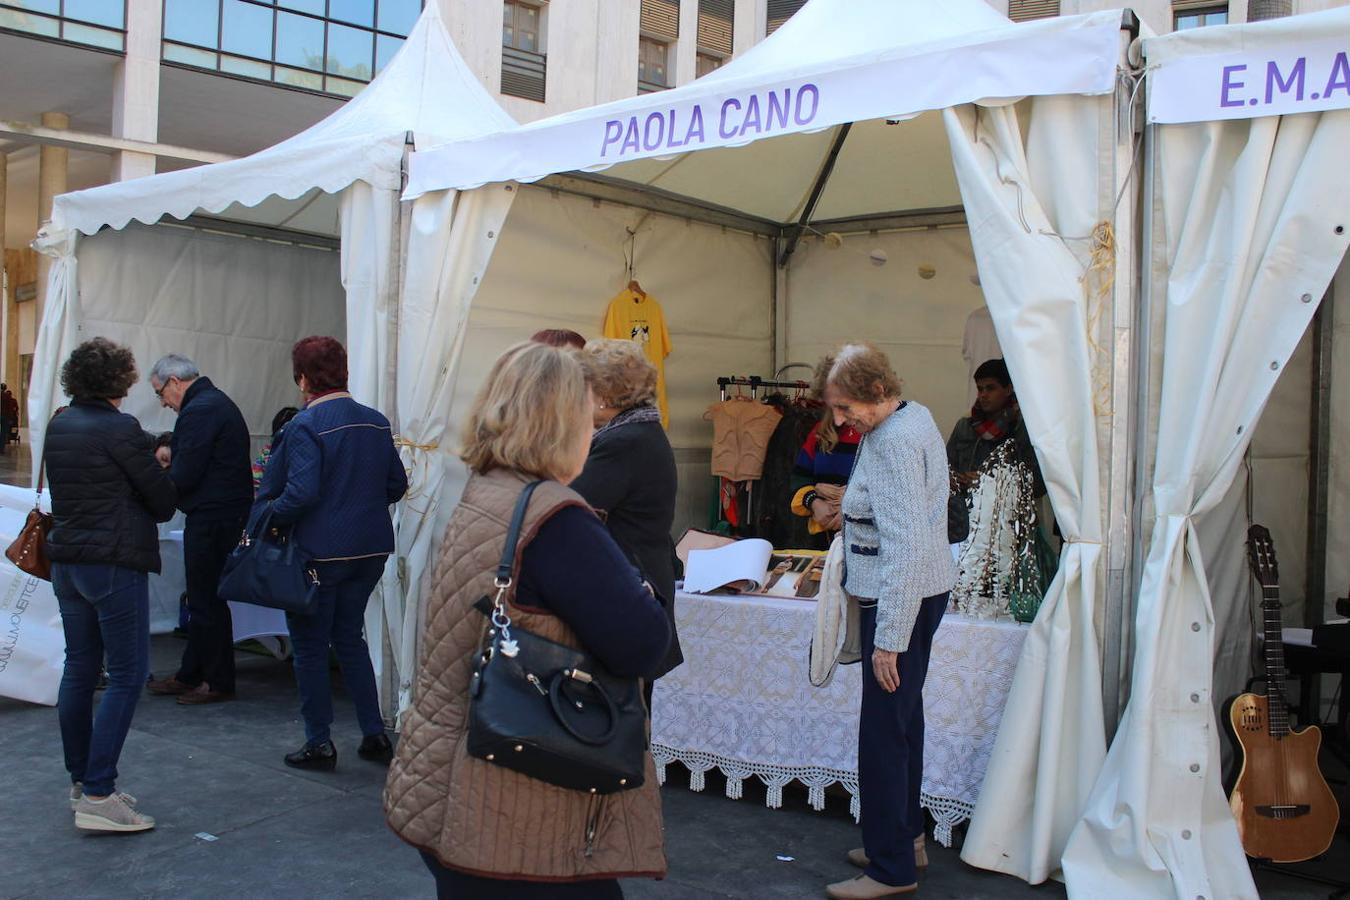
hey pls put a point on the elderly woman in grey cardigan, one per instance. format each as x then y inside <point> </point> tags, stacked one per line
<point>899,569</point>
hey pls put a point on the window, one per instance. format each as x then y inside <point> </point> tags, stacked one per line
<point>94,23</point>
<point>780,11</point>
<point>332,46</point>
<point>653,60</point>
<point>524,65</point>
<point>1026,10</point>
<point>716,31</point>
<point>1199,17</point>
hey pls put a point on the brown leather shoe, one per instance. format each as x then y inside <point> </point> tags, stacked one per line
<point>167,687</point>
<point>865,888</point>
<point>203,694</point>
<point>858,856</point>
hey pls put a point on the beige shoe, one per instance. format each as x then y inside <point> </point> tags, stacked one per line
<point>114,813</point>
<point>865,888</point>
<point>858,856</point>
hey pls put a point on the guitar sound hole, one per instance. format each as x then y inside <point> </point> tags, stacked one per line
<point>1252,720</point>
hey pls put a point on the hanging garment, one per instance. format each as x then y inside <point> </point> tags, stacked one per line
<point>775,521</point>
<point>636,316</point>
<point>741,432</point>
<point>978,345</point>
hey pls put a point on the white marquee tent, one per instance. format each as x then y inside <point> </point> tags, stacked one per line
<point>237,304</point>
<point>858,116</point>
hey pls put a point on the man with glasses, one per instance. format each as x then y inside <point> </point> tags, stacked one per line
<point>209,463</point>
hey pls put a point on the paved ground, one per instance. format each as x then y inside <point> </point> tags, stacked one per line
<point>234,821</point>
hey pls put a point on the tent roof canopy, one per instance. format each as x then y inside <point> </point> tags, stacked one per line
<point>870,62</point>
<point>426,91</point>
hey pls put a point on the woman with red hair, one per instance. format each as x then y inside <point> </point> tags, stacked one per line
<point>332,475</point>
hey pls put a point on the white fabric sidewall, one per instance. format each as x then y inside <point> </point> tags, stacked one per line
<point>1247,228</point>
<point>56,335</point>
<point>451,239</point>
<point>1047,756</point>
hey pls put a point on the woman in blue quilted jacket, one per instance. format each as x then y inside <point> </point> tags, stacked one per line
<point>332,476</point>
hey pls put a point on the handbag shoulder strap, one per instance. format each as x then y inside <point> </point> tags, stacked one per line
<point>508,561</point>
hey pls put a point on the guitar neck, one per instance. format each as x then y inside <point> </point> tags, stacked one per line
<point>1274,654</point>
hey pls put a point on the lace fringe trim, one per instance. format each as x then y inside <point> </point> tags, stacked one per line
<point>947,813</point>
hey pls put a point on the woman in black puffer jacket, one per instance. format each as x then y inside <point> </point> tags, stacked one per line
<point>107,492</point>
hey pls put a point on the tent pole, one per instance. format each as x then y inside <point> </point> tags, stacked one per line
<point>1319,472</point>
<point>826,169</point>
<point>779,322</point>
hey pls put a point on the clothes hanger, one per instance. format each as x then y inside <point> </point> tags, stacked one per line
<point>636,288</point>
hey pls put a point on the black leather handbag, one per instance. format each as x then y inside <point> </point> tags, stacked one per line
<point>549,711</point>
<point>268,569</point>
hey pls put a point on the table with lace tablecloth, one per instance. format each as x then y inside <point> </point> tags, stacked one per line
<point>742,703</point>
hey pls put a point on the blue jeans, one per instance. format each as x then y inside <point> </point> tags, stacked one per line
<point>105,611</point>
<point>338,622</point>
<point>890,749</point>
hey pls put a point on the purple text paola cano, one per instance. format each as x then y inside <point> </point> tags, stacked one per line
<point>738,117</point>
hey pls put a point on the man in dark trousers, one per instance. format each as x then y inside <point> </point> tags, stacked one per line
<point>209,463</point>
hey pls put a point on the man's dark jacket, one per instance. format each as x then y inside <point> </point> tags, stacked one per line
<point>212,466</point>
<point>107,489</point>
<point>630,476</point>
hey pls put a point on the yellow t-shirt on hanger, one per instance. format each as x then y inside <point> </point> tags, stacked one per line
<point>636,316</point>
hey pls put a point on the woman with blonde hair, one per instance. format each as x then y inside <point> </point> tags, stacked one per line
<point>479,826</point>
<point>630,473</point>
<point>899,572</point>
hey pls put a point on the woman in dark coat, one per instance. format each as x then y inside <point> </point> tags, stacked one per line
<point>630,475</point>
<point>107,492</point>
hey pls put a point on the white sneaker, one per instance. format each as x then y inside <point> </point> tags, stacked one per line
<point>113,813</point>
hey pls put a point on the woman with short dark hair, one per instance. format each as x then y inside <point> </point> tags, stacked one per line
<point>332,475</point>
<point>107,493</point>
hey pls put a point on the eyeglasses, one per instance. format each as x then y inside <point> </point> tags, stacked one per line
<point>159,391</point>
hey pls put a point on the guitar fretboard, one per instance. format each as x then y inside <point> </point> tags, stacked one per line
<point>1274,653</point>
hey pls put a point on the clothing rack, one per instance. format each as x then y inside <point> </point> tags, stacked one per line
<point>754,382</point>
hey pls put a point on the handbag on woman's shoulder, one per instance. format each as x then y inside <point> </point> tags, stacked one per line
<point>550,711</point>
<point>28,552</point>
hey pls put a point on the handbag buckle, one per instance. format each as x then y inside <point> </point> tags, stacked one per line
<point>578,675</point>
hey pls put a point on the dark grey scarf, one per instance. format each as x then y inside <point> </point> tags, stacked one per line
<point>636,415</point>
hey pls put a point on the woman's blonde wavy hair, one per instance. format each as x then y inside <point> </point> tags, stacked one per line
<point>530,413</point>
<point>620,373</point>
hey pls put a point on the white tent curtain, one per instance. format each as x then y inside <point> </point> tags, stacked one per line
<point>1248,233</point>
<point>1027,225</point>
<point>451,238</point>
<point>369,219</point>
<point>57,330</point>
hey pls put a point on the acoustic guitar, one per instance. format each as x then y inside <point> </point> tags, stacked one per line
<point>1285,811</point>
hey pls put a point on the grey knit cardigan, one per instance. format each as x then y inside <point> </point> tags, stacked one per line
<point>895,522</point>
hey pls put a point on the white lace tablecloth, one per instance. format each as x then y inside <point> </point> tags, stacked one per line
<point>742,703</point>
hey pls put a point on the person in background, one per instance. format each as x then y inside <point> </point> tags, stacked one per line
<point>559,337</point>
<point>485,831</point>
<point>107,493</point>
<point>284,415</point>
<point>9,416</point>
<point>823,466</point>
<point>899,571</point>
<point>995,418</point>
<point>208,460</point>
<point>630,474</point>
<point>332,477</point>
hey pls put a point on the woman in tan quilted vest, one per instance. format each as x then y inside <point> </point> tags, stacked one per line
<point>485,831</point>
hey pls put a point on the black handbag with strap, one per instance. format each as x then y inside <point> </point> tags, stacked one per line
<point>550,711</point>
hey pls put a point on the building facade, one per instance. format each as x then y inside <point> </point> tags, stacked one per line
<point>95,91</point>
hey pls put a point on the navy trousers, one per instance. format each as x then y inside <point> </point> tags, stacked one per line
<point>890,750</point>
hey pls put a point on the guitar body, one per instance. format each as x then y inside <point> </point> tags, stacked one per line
<point>1285,812</point>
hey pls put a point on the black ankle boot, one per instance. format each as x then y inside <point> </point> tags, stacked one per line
<point>376,748</point>
<point>322,757</point>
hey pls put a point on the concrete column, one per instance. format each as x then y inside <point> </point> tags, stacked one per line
<point>751,20</point>
<point>7,320</point>
<point>135,112</point>
<point>53,170</point>
<point>685,52</point>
